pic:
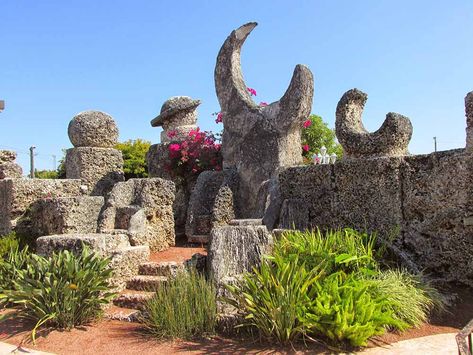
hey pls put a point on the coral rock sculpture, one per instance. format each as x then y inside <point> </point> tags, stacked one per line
<point>391,139</point>
<point>469,120</point>
<point>258,139</point>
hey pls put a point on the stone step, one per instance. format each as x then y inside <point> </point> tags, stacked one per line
<point>122,314</point>
<point>199,239</point>
<point>132,299</point>
<point>161,268</point>
<point>146,282</point>
<point>246,222</point>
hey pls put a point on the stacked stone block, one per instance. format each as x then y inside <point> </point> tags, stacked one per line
<point>8,167</point>
<point>93,158</point>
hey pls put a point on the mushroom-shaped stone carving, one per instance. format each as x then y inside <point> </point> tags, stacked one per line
<point>93,129</point>
<point>391,139</point>
<point>258,139</point>
<point>179,115</point>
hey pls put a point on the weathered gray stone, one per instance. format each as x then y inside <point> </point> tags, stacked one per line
<point>415,203</point>
<point>98,168</point>
<point>93,129</point>
<point>143,207</point>
<point>391,139</point>
<point>103,244</point>
<point>258,139</point>
<point>10,170</point>
<point>125,262</point>
<point>178,117</point>
<point>65,215</point>
<point>436,199</point>
<point>223,211</point>
<point>17,196</point>
<point>7,156</point>
<point>234,250</point>
<point>201,204</point>
<point>469,121</point>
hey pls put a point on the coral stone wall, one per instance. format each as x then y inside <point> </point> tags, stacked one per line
<point>424,202</point>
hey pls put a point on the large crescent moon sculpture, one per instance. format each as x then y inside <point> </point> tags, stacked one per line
<point>257,140</point>
<point>391,139</point>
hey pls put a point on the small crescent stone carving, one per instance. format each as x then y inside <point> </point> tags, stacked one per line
<point>391,139</point>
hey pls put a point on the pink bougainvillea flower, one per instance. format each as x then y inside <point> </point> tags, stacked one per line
<point>306,147</point>
<point>174,147</point>
<point>262,104</point>
<point>307,123</point>
<point>251,91</point>
<point>219,118</point>
<point>172,133</point>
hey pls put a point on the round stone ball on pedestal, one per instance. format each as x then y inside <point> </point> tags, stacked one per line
<point>93,129</point>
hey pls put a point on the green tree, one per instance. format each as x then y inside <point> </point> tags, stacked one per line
<point>316,135</point>
<point>134,157</point>
<point>46,174</point>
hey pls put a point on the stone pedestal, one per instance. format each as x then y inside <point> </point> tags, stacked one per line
<point>98,168</point>
<point>8,167</point>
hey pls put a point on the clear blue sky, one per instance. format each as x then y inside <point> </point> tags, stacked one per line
<point>127,57</point>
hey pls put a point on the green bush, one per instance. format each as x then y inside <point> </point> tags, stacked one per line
<point>341,250</point>
<point>329,285</point>
<point>275,298</point>
<point>410,299</point>
<point>344,310</point>
<point>183,308</point>
<point>61,291</point>
<point>7,243</point>
<point>14,261</point>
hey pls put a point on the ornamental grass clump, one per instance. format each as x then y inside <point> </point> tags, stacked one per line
<point>62,291</point>
<point>329,286</point>
<point>184,308</point>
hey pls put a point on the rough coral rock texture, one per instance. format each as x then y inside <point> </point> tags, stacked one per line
<point>65,215</point>
<point>422,203</point>
<point>98,168</point>
<point>391,139</point>
<point>8,167</point>
<point>142,207</point>
<point>178,117</point>
<point>18,195</point>
<point>125,262</point>
<point>7,156</point>
<point>201,204</point>
<point>93,129</point>
<point>469,121</point>
<point>234,250</point>
<point>103,244</point>
<point>10,170</point>
<point>258,139</point>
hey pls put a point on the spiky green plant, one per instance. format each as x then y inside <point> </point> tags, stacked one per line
<point>274,298</point>
<point>61,291</point>
<point>408,297</point>
<point>183,308</point>
<point>7,243</point>
<point>337,250</point>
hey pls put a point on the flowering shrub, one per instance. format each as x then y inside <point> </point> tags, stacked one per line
<point>198,152</point>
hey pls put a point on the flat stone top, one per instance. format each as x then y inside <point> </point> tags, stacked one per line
<point>173,106</point>
<point>246,222</point>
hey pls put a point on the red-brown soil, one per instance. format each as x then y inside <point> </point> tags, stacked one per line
<point>114,337</point>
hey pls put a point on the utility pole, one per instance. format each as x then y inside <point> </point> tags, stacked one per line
<point>2,105</point>
<point>435,144</point>
<point>32,148</point>
<point>54,161</point>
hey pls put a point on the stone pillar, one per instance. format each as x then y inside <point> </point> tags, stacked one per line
<point>8,167</point>
<point>93,158</point>
<point>469,121</point>
<point>177,118</point>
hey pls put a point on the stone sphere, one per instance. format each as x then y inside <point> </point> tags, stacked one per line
<point>93,129</point>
